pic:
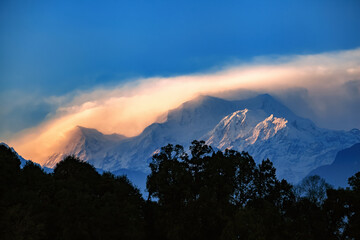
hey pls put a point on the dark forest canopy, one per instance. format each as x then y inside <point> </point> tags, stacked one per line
<point>206,194</point>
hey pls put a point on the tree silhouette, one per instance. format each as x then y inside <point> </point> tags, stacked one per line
<point>202,195</point>
<point>10,168</point>
<point>313,188</point>
<point>75,202</point>
<point>205,194</point>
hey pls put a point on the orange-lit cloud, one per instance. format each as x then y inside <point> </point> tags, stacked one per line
<point>128,109</point>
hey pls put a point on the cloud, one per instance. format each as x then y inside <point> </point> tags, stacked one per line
<point>19,110</point>
<point>328,82</point>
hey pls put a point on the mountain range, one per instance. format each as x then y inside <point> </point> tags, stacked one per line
<point>262,126</point>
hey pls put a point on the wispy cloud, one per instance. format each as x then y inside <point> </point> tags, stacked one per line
<point>331,80</point>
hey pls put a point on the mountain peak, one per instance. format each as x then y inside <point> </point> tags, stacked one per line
<point>84,143</point>
<point>94,133</point>
<point>203,97</point>
<point>236,125</point>
<point>237,116</point>
<point>193,111</point>
<point>201,101</point>
<point>85,131</point>
<point>266,97</point>
<point>269,105</point>
<point>248,125</point>
<point>267,128</point>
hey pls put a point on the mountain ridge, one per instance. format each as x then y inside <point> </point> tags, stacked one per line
<point>346,164</point>
<point>293,150</point>
<point>276,131</point>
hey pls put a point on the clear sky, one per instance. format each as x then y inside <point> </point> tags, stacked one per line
<point>51,48</point>
<point>56,46</point>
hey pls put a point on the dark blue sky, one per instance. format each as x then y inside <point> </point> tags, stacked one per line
<point>53,47</point>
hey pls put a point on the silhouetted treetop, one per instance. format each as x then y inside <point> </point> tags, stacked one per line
<point>73,167</point>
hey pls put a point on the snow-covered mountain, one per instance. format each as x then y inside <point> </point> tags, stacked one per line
<point>262,126</point>
<point>87,144</point>
<point>295,146</point>
<point>190,121</point>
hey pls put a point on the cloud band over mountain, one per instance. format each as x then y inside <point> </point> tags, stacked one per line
<point>327,85</point>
